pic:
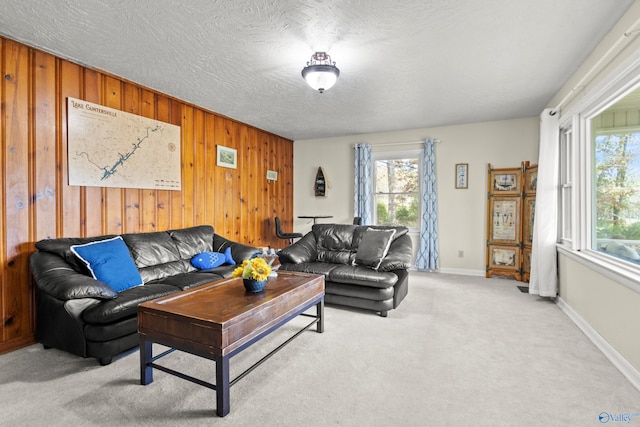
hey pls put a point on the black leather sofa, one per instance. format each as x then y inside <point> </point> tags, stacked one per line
<point>86,317</point>
<point>341,253</point>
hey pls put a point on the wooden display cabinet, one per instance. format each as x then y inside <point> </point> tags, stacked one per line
<point>510,212</point>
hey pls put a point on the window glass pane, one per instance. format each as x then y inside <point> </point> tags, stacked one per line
<point>566,213</point>
<point>397,209</point>
<point>396,193</point>
<point>617,199</point>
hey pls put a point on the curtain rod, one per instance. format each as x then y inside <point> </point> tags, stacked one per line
<point>582,83</point>
<point>437,141</point>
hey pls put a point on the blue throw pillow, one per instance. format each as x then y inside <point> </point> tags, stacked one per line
<point>209,260</point>
<point>110,262</point>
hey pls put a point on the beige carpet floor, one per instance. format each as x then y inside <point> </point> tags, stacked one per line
<point>459,351</point>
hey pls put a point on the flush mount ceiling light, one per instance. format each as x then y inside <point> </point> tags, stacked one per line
<point>320,73</point>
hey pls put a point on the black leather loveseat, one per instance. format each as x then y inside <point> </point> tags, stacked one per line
<point>364,266</point>
<point>86,317</point>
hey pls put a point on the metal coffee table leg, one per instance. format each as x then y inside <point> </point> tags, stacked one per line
<point>222,385</point>
<point>320,315</point>
<point>146,355</point>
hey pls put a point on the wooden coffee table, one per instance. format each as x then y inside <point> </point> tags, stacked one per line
<point>220,319</point>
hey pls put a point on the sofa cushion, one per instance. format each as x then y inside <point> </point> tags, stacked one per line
<point>150,249</point>
<point>222,271</point>
<point>334,242</point>
<point>110,262</point>
<point>188,280</point>
<point>374,247</point>
<point>358,275</point>
<point>53,276</point>
<point>399,255</point>
<point>155,254</point>
<point>334,237</point>
<point>304,250</point>
<point>160,271</point>
<point>193,240</point>
<point>62,247</point>
<point>126,304</point>
<point>335,257</point>
<point>311,267</point>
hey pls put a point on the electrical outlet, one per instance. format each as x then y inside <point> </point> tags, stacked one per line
<point>460,254</point>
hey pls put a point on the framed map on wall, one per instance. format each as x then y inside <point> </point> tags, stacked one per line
<point>113,148</point>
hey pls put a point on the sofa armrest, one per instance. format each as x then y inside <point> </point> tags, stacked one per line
<point>239,251</point>
<point>55,277</point>
<point>304,250</point>
<point>399,255</point>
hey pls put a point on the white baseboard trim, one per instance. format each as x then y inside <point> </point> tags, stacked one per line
<point>463,272</point>
<point>626,368</point>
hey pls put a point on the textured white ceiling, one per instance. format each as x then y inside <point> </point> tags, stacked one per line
<point>403,64</point>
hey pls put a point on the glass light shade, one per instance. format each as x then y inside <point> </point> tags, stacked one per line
<point>320,77</point>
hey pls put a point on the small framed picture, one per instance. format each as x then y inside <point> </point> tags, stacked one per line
<point>227,157</point>
<point>462,172</point>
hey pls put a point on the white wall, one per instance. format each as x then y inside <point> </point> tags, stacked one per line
<point>462,213</point>
<point>605,305</point>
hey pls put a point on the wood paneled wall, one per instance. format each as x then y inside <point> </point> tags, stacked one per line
<point>37,203</point>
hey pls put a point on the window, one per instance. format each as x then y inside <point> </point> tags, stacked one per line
<point>397,189</point>
<point>599,171</point>
<point>616,180</point>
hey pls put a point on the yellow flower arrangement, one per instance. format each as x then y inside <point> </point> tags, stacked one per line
<point>254,268</point>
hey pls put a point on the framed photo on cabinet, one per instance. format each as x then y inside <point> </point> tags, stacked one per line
<point>504,220</point>
<point>504,257</point>
<point>505,182</point>
<point>527,218</point>
<point>526,261</point>
<point>530,179</point>
<point>462,174</point>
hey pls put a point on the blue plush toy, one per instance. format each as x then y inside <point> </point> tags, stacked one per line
<point>209,260</point>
